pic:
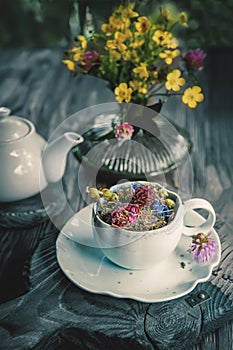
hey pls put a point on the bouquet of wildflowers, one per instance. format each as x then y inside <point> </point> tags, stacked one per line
<point>139,57</point>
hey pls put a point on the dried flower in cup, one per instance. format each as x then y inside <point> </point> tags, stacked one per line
<point>136,207</point>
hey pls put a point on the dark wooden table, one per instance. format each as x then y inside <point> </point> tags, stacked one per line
<point>40,308</point>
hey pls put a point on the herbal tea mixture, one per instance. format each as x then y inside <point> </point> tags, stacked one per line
<point>135,206</point>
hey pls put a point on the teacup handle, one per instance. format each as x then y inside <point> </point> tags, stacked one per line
<point>199,203</point>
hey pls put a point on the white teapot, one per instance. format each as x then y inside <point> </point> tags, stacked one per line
<point>27,163</point>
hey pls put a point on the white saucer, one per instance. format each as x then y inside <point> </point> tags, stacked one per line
<point>85,265</point>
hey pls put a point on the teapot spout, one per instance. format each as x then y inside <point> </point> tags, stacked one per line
<point>55,155</point>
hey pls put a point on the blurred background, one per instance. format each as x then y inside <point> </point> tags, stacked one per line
<point>53,23</point>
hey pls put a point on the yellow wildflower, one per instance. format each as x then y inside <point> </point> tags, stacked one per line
<point>192,96</point>
<point>117,43</point>
<point>183,19</point>
<point>161,38</point>
<point>113,197</point>
<point>141,71</point>
<point>170,203</point>
<point>123,93</point>
<point>106,193</point>
<point>115,23</point>
<point>169,40</point>
<point>172,43</point>
<point>82,40</point>
<point>77,53</point>
<point>167,15</point>
<point>174,80</point>
<point>142,25</point>
<point>155,74</point>
<point>114,55</point>
<point>70,65</point>
<point>129,11</point>
<point>126,55</point>
<point>137,43</point>
<point>93,192</point>
<point>169,55</point>
<point>119,21</point>
<point>109,28</point>
<point>124,23</point>
<point>138,86</point>
<point>128,34</point>
<point>115,20</point>
<point>135,56</point>
<point>119,37</point>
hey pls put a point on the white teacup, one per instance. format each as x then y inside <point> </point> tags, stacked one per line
<point>143,249</point>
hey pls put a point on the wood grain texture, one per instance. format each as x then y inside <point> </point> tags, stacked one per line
<point>41,309</point>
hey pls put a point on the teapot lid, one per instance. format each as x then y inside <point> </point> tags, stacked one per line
<point>12,128</point>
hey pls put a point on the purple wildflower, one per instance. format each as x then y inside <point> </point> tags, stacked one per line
<point>195,59</point>
<point>90,58</point>
<point>203,247</point>
<point>124,131</point>
<point>153,68</point>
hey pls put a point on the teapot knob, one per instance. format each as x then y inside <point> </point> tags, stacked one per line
<point>4,112</point>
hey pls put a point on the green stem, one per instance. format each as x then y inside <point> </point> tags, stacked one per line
<point>166,94</point>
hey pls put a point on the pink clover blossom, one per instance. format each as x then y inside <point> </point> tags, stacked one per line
<point>203,247</point>
<point>90,58</point>
<point>124,131</point>
<point>195,59</point>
